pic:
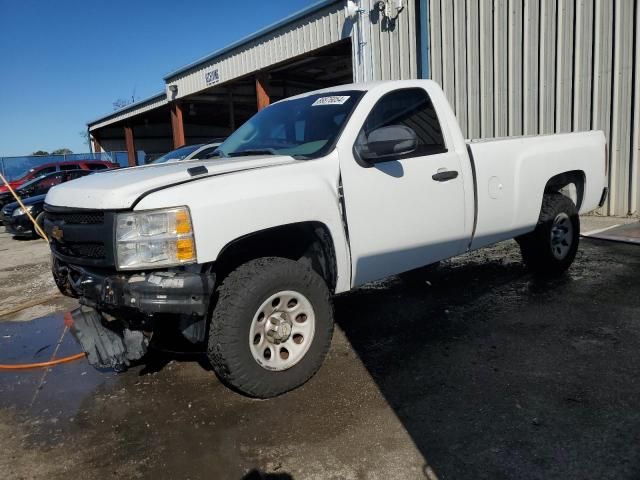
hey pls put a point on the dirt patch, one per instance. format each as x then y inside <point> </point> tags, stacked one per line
<point>25,276</point>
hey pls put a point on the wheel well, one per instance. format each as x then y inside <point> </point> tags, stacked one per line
<point>570,184</point>
<point>308,242</point>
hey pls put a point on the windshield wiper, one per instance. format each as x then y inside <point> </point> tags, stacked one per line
<point>257,151</point>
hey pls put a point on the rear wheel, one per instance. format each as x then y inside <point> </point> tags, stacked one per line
<point>271,327</point>
<point>552,246</point>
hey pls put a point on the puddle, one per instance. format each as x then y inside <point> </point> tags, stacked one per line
<point>60,389</point>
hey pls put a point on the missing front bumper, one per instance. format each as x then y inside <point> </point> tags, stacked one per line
<point>161,292</point>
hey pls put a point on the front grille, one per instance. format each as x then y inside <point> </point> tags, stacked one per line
<point>82,237</point>
<point>73,218</point>
<point>94,251</point>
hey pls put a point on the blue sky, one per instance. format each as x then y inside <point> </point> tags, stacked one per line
<point>63,62</point>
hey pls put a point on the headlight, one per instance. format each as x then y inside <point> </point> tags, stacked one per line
<point>21,211</point>
<point>156,238</point>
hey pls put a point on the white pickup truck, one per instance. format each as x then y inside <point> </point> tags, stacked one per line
<point>313,196</point>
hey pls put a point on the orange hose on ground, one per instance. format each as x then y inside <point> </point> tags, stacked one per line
<point>57,361</point>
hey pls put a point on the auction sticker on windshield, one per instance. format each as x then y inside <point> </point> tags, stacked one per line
<point>333,100</point>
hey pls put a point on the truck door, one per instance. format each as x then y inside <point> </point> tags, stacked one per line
<point>403,211</point>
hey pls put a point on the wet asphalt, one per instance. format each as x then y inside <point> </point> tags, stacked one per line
<point>484,372</point>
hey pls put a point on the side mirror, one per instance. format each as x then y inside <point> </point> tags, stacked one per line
<point>386,142</point>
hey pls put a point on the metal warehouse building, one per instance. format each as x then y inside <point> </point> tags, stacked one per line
<point>509,67</point>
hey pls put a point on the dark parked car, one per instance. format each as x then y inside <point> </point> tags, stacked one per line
<point>15,219</point>
<point>41,185</point>
<point>17,222</point>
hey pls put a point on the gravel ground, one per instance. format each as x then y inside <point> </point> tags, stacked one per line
<point>25,275</point>
<point>484,372</point>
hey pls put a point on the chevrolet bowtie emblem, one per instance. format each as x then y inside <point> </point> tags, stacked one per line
<point>57,233</point>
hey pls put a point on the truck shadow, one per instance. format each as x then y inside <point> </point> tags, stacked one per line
<point>158,357</point>
<point>439,353</point>
<point>259,475</point>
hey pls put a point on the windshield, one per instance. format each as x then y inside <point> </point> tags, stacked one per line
<point>305,127</point>
<point>178,154</point>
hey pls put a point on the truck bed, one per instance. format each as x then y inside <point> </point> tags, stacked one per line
<point>511,175</point>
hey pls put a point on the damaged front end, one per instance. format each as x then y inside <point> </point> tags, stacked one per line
<point>120,313</point>
<point>184,290</point>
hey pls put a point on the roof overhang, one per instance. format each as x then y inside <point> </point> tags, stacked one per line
<point>129,111</point>
<point>321,24</point>
<point>305,12</point>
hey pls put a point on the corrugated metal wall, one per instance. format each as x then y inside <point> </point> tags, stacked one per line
<point>523,67</point>
<point>384,48</point>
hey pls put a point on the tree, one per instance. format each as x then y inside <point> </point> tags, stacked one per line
<point>40,152</point>
<point>121,103</point>
<point>85,137</point>
<point>61,151</point>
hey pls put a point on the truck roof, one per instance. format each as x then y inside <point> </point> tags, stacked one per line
<point>363,86</point>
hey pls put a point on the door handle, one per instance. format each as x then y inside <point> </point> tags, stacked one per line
<point>445,176</point>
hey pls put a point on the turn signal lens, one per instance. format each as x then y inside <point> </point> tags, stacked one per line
<point>183,222</point>
<point>185,250</point>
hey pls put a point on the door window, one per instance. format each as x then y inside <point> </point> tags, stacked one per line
<point>410,107</point>
<point>48,182</point>
<point>76,174</point>
<point>42,171</point>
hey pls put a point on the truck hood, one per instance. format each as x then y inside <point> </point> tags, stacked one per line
<point>119,189</point>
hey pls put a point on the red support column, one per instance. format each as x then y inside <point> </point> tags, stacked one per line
<point>177,125</point>
<point>262,87</point>
<point>131,147</point>
<point>96,144</point>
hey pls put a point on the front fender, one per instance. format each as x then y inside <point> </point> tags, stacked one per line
<point>227,207</point>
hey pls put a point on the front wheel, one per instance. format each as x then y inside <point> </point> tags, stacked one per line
<point>551,247</point>
<point>271,327</point>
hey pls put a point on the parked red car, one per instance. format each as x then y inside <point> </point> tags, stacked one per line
<point>61,166</point>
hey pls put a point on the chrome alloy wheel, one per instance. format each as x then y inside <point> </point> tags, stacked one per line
<point>282,330</point>
<point>561,236</point>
